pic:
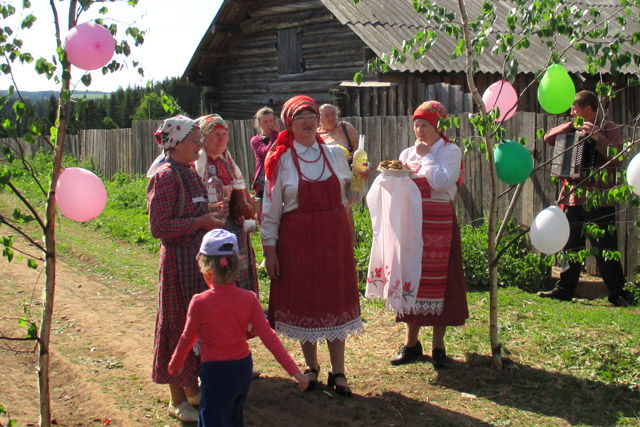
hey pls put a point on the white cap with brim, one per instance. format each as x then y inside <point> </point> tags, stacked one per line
<point>214,240</point>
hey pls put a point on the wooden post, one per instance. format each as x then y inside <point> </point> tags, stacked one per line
<point>402,98</point>
<point>392,101</point>
<point>374,102</point>
<point>384,96</point>
<point>409,96</point>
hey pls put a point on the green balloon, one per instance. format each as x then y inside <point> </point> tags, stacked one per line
<point>556,91</point>
<point>513,162</point>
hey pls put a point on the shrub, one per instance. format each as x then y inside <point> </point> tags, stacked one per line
<point>125,215</point>
<point>128,192</point>
<point>41,164</point>
<point>519,266</point>
<point>364,236</point>
<point>633,288</point>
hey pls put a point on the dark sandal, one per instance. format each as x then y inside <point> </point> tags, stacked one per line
<point>340,389</point>
<point>312,383</point>
<point>439,356</point>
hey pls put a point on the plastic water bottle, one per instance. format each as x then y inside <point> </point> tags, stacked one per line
<point>359,165</point>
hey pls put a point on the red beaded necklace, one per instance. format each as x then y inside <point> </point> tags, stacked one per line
<point>324,165</point>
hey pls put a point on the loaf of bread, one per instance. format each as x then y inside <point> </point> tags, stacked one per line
<point>393,165</point>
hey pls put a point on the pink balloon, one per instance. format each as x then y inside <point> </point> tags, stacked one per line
<point>89,46</point>
<point>502,95</point>
<point>80,194</point>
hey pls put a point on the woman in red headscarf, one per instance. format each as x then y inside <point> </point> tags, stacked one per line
<point>441,298</point>
<point>216,159</point>
<point>305,234</point>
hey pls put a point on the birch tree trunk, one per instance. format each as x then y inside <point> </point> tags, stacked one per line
<point>49,236</point>
<point>496,360</point>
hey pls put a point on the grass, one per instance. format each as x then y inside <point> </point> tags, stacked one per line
<point>550,371</point>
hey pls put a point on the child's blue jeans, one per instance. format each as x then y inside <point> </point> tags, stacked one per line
<point>224,389</point>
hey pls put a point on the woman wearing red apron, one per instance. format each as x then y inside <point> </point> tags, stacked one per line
<point>441,300</point>
<point>305,233</point>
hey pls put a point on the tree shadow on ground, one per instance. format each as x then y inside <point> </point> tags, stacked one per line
<point>277,402</point>
<point>576,400</point>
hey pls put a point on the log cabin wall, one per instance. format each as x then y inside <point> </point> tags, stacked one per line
<point>282,49</point>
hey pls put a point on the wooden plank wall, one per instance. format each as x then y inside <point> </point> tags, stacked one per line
<point>406,91</point>
<point>133,150</point>
<point>401,98</point>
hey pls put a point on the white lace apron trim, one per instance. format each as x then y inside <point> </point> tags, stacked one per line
<point>428,306</point>
<point>322,333</point>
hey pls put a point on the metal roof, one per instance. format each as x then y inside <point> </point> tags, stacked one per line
<point>385,24</point>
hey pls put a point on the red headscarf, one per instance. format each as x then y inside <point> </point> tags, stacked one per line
<point>433,111</point>
<point>290,109</point>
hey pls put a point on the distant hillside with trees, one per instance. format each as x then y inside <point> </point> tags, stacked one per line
<point>115,110</point>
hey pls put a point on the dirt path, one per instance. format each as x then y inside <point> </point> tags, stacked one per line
<point>102,341</point>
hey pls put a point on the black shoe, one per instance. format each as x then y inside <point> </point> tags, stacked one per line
<point>555,294</point>
<point>439,355</point>
<point>312,383</point>
<point>407,354</point>
<point>340,389</point>
<point>619,301</point>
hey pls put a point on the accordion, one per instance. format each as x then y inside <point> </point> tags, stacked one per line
<point>574,156</point>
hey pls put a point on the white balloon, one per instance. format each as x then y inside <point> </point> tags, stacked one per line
<point>550,230</point>
<point>633,174</point>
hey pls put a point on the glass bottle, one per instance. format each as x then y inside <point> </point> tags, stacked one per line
<point>359,165</point>
<point>215,187</point>
<point>241,204</point>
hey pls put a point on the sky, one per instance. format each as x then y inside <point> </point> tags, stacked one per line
<point>173,34</point>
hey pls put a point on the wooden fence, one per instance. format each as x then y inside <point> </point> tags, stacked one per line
<point>399,98</point>
<point>133,150</point>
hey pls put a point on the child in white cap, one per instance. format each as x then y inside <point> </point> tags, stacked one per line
<point>220,317</point>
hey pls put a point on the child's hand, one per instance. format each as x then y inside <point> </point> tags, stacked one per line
<point>173,369</point>
<point>303,382</point>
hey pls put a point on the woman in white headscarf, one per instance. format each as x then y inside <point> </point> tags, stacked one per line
<point>179,217</point>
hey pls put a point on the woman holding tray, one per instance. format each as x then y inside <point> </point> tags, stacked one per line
<point>435,294</point>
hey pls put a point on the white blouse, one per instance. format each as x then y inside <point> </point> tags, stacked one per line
<point>441,167</point>
<point>284,195</point>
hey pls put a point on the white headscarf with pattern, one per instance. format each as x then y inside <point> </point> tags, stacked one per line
<point>169,134</point>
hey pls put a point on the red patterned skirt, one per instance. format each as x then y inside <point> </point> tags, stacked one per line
<point>455,310</point>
